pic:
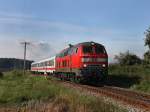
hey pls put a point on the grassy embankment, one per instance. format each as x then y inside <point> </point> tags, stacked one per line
<point>30,93</point>
<point>135,77</point>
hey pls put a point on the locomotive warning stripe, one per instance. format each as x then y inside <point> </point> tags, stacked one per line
<point>43,68</point>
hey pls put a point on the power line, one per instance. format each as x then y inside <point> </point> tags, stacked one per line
<point>25,47</point>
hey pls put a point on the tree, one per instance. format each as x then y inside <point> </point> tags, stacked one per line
<point>147,43</point>
<point>147,39</point>
<point>128,58</point>
<point>147,57</point>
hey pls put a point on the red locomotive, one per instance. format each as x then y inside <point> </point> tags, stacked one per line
<point>80,62</point>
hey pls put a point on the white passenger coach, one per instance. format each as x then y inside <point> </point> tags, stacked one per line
<point>46,66</point>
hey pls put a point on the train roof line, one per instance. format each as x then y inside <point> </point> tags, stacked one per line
<point>83,43</point>
<point>44,60</point>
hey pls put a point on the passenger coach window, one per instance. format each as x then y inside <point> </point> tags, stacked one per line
<point>87,49</point>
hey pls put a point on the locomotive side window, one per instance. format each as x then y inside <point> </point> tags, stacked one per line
<point>99,49</point>
<point>76,50</point>
<point>66,52</point>
<point>87,49</point>
<point>71,50</point>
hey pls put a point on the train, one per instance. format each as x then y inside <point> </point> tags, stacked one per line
<point>84,61</point>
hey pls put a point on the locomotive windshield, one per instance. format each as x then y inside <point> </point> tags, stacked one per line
<point>98,49</point>
<point>87,49</point>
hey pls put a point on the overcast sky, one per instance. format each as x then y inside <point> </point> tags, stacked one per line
<point>50,25</point>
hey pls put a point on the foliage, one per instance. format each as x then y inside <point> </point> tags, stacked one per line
<point>147,57</point>
<point>1,75</point>
<point>136,77</point>
<point>27,91</point>
<point>147,43</point>
<point>128,58</point>
<point>147,39</point>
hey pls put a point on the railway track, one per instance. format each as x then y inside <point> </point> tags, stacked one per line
<point>136,100</point>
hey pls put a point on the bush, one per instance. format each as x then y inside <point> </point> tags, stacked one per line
<point>1,75</point>
<point>147,57</point>
<point>128,58</point>
<point>136,77</point>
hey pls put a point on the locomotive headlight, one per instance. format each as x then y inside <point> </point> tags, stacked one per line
<point>85,65</point>
<point>104,65</point>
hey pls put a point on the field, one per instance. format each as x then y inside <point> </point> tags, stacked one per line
<point>135,77</point>
<point>31,93</point>
<point>34,93</point>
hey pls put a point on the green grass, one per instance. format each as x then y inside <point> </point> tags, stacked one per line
<point>35,92</point>
<point>135,77</point>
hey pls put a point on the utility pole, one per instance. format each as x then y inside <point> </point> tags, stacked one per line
<point>25,47</point>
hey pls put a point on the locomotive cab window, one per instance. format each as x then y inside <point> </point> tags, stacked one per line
<point>75,50</point>
<point>99,49</point>
<point>70,51</point>
<point>87,49</point>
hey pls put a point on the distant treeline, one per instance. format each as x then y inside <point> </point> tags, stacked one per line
<point>7,64</point>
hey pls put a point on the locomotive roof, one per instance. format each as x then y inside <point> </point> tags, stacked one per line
<point>69,49</point>
<point>87,43</point>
